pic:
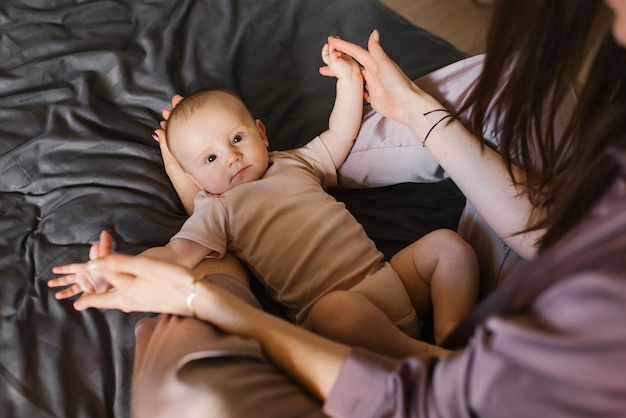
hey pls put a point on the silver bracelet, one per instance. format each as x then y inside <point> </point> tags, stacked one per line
<point>191,297</point>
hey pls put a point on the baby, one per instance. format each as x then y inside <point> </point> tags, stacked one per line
<point>271,210</point>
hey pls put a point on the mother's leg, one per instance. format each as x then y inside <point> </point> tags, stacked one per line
<point>188,368</point>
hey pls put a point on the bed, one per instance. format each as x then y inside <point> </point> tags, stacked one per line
<point>82,84</point>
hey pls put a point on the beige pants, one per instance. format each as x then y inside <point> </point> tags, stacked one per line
<point>188,368</point>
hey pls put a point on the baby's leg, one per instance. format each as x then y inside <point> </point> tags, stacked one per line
<point>229,265</point>
<point>440,272</point>
<point>350,317</point>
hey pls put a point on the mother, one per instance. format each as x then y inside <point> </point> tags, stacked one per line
<point>549,342</point>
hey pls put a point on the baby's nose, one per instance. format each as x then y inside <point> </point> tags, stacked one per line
<point>234,156</point>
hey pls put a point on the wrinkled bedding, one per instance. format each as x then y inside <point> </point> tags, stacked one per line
<point>82,84</point>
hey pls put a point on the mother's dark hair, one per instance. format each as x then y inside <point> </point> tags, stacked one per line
<point>541,48</point>
<point>598,130</point>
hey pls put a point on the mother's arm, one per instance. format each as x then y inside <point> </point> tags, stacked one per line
<point>147,285</point>
<point>185,187</point>
<point>477,170</point>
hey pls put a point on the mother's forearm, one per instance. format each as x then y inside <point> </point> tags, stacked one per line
<point>482,176</point>
<point>311,360</point>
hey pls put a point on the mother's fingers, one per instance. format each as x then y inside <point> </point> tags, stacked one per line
<point>109,300</point>
<point>166,113</point>
<point>106,266</point>
<point>159,134</point>
<point>364,57</point>
<point>355,51</point>
<point>118,267</point>
<point>176,99</point>
<point>108,297</point>
<point>373,44</point>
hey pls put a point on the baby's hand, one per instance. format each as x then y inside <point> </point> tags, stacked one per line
<point>78,276</point>
<point>339,64</point>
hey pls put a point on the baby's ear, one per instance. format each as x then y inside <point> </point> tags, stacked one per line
<point>261,127</point>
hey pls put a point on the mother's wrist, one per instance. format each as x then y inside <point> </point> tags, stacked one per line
<point>442,114</point>
<point>191,297</point>
<point>427,117</point>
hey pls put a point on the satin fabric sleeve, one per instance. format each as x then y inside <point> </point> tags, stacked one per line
<point>564,357</point>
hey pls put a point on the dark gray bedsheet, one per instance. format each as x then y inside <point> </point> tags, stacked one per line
<point>82,84</point>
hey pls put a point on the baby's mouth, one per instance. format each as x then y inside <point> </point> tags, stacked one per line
<point>240,171</point>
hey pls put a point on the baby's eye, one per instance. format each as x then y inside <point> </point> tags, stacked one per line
<point>237,138</point>
<point>211,158</point>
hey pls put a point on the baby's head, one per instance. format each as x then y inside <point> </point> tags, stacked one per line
<point>216,140</point>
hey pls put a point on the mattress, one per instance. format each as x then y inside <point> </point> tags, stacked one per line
<point>82,85</point>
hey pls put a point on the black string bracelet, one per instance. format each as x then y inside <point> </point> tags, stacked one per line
<point>436,110</point>
<point>449,115</point>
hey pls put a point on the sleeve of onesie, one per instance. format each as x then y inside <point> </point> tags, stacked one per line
<point>316,155</point>
<point>207,225</point>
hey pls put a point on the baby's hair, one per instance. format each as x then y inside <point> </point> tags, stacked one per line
<point>188,106</point>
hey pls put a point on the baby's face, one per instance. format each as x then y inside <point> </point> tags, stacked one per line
<point>223,147</point>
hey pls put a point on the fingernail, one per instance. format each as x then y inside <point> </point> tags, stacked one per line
<point>376,35</point>
<point>155,136</point>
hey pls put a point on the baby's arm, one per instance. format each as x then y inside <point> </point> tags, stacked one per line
<point>179,251</point>
<point>80,279</point>
<point>345,119</point>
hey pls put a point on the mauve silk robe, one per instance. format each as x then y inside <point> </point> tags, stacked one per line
<point>550,342</point>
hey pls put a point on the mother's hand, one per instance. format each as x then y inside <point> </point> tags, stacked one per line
<point>389,91</point>
<point>142,284</point>
<point>185,187</point>
<point>139,284</point>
